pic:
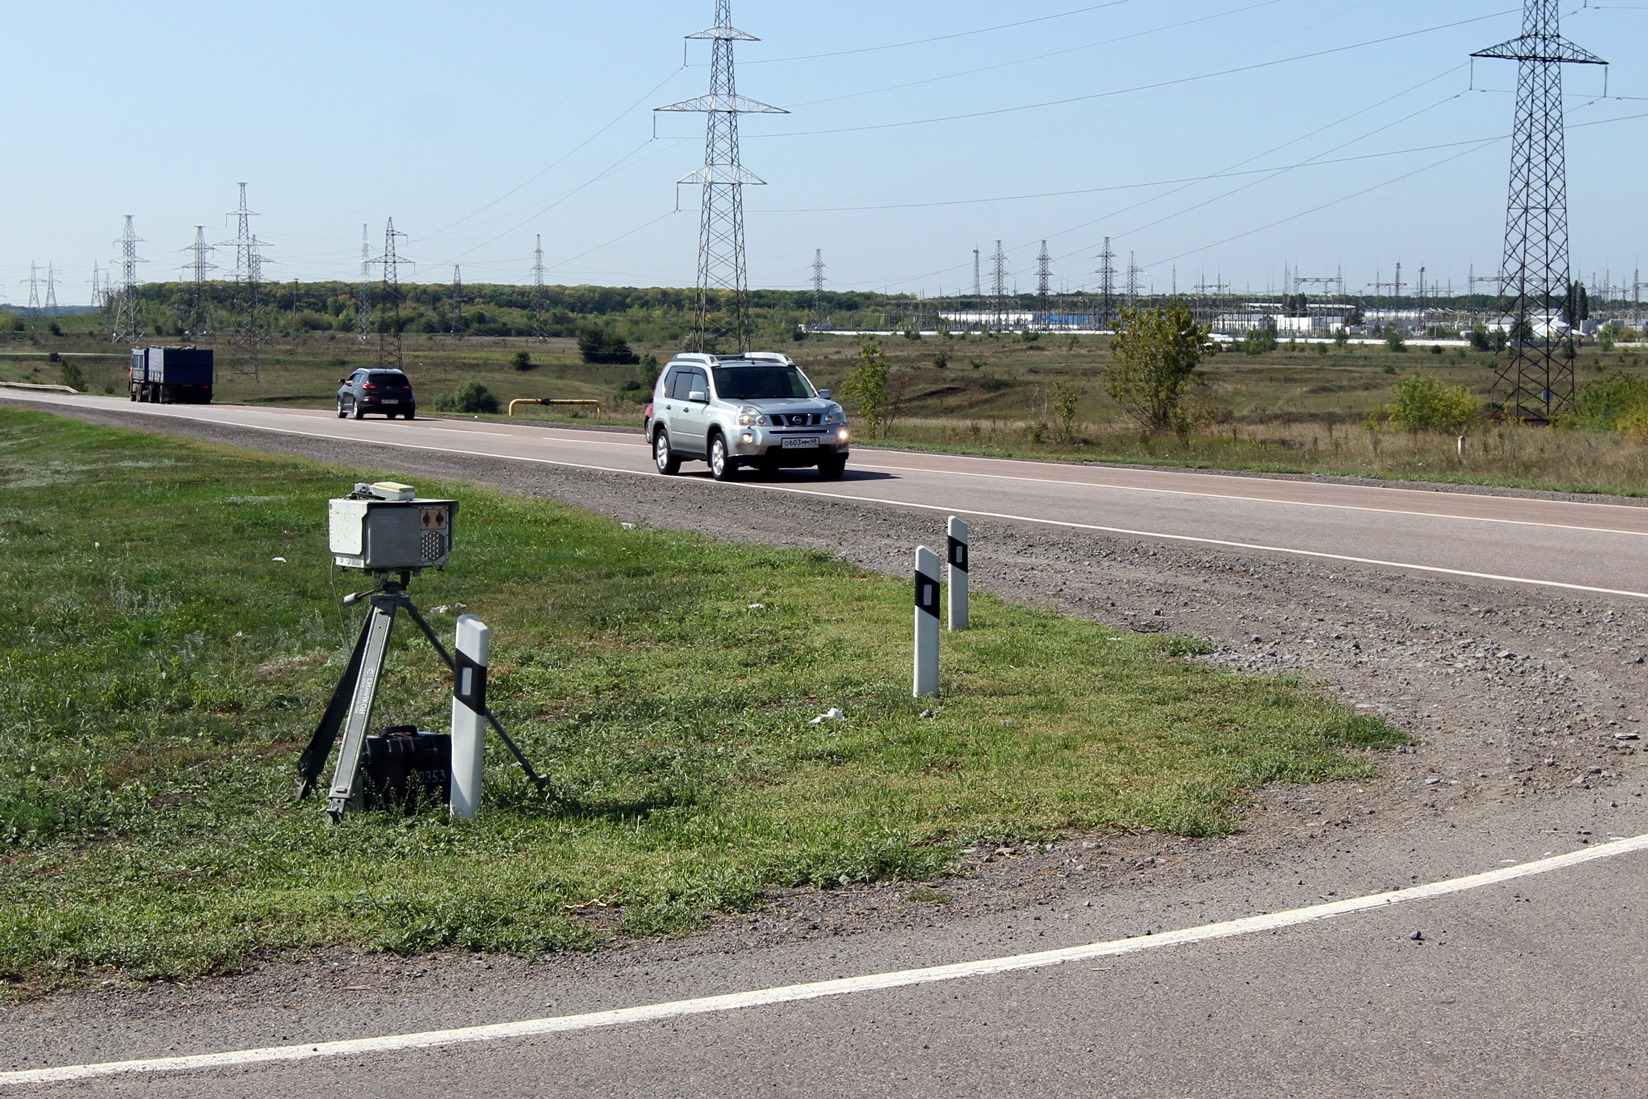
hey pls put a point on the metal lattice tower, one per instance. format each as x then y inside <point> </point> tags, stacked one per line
<point>1536,377</point>
<point>1044,275</point>
<point>128,323</point>
<point>723,291</point>
<point>818,286</point>
<point>97,286</point>
<point>1107,283</point>
<point>457,301</point>
<point>199,319</point>
<point>389,298</point>
<point>538,288</point>
<point>363,293</point>
<point>248,335</point>
<point>34,289</point>
<point>1133,273</point>
<point>998,288</point>
<point>51,289</point>
<point>978,287</point>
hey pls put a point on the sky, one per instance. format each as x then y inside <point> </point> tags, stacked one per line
<point>1214,142</point>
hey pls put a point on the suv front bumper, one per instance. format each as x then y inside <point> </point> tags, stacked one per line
<point>789,448</point>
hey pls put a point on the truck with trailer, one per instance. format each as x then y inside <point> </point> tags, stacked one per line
<point>171,375</point>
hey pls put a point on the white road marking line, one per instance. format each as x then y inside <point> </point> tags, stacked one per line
<point>844,986</point>
<point>1008,517</point>
<point>1160,491</point>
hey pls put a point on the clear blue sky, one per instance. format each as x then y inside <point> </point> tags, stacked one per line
<point>1209,139</point>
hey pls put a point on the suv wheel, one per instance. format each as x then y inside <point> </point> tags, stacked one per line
<point>354,407</point>
<point>341,412</point>
<point>722,467</point>
<point>668,464</point>
<point>831,468</point>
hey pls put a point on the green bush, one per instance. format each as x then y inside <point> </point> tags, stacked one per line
<point>1425,402</point>
<point>1259,341</point>
<point>601,344</point>
<point>471,397</point>
<point>1614,403</point>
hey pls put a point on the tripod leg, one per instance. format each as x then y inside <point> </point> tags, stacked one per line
<point>326,733</point>
<point>520,757</point>
<point>376,633</point>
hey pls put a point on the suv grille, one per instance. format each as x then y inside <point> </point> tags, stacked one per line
<point>795,419</point>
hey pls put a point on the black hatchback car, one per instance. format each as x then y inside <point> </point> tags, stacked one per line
<point>385,391</point>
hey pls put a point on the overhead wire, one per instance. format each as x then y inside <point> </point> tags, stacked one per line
<point>1154,85</point>
<point>942,37</point>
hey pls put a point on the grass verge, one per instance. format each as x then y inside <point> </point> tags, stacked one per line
<point>174,630</point>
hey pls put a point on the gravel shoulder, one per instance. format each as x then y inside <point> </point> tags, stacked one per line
<point>1523,703</point>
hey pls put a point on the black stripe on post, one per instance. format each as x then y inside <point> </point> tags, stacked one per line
<point>956,553</point>
<point>469,681</point>
<point>926,594</point>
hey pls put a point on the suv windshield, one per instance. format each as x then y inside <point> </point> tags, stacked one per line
<point>763,382</point>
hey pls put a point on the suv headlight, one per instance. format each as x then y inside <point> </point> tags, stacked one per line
<point>836,415</point>
<point>751,417</point>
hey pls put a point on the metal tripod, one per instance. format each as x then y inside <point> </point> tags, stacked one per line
<point>350,707</point>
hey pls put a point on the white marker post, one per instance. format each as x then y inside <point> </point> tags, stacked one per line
<point>926,678</point>
<point>957,554</point>
<point>468,716</point>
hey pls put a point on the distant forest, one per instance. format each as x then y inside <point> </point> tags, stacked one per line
<point>653,315</point>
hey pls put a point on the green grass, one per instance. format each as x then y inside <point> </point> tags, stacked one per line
<point>173,631</point>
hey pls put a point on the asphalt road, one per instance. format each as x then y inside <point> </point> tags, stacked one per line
<point>1223,975</point>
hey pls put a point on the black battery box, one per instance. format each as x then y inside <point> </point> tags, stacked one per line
<point>403,768</point>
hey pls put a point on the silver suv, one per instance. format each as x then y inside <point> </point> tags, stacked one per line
<point>756,409</point>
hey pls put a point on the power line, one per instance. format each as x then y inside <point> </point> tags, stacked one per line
<point>1176,82</point>
<point>947,37</point>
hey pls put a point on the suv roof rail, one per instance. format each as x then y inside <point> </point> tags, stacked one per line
<point>770,357</point>
<point>695,357</point>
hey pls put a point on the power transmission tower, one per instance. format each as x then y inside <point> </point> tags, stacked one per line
<point>1107,284</point>
<point>389,299</point>
<point>34,289</point>
<point>1044,275</point>
<point>818,287</point>
<point>199,319</point>
<point>998,286</point>
<point>97,286</point>
<point>978,287</point>
<point>457,301</point>
<point>128,323</point>
<point>721,269</point>
<point>247,337</point>
<point>538,289</point>
<point>1133,273</point>
<point>1536,377</point>
<point>51,289</point>
<point>363,293</point>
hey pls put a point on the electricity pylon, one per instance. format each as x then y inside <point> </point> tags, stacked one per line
<point>723,290</point>
<point>1536,376</point>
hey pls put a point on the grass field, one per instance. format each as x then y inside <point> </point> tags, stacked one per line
<point>174,628</point>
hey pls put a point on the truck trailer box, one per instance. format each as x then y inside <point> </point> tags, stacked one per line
<point>171,375</point>
<point>180,365</point>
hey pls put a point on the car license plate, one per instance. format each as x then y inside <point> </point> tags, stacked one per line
<point>796,442</point>
<point>391,400</point>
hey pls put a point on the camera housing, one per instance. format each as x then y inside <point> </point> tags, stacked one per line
<point>386,527</point>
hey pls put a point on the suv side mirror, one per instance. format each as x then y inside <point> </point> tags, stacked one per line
<point>698,396</point>
<point>823,394</point>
